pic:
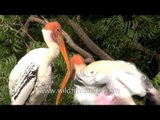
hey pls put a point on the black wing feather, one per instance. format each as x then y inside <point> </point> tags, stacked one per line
<point>29,74</point>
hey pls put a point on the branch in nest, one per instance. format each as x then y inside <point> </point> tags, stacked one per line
<point>88,57</point>
<point>87,41</point>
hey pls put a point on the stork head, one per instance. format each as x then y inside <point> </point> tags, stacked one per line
<point>52,33</point>
<point>75,60</point>
<point>56,29</point>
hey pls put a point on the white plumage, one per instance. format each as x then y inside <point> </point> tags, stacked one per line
<point>33,73</point>
<point>120,78</point>
<point>106,82</point>
<point>35,57</point>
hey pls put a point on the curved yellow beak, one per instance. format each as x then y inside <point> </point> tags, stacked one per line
<point>63,50</point>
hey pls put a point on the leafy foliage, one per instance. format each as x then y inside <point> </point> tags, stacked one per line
<point>8,58</point>
<point>114,34</point>
<point>156,81</point>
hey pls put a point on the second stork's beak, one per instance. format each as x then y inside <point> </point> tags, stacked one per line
<point>63,50</point>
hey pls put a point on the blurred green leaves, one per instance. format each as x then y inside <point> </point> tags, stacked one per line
<point>114,34</point>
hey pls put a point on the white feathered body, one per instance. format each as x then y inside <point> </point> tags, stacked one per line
<point>120,78</point>
<point>31,93</point>
<point>32,76</point>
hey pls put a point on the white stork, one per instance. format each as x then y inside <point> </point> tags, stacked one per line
<point>32,74</point>
<point>108,82</point>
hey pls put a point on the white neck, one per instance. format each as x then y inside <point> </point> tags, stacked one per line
<point>53,47</point>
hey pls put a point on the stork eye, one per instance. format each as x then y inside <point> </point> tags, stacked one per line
<point>57,29</point>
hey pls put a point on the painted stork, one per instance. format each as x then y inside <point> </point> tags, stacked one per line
<point>33,72</point>
<point>106,82</point>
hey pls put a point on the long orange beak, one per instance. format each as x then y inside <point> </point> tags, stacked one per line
<point>63,85</point>
<point>63,50</point>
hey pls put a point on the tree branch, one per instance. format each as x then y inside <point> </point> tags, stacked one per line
<point>87,41</point>
<point>157,57</point>
<point>146,51</point>
<point>31,19</point>
<point>88,57</point>
<point>24,31</point>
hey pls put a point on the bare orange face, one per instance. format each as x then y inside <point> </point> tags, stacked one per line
<point>53,26</point>
<point>76,59</point>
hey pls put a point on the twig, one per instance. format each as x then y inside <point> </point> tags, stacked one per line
<point>85,38</point>
<point>27,34</point>
<point>88,57</point>
<point>148,52</point>
<point>31,19</point>
<point>24,31</point>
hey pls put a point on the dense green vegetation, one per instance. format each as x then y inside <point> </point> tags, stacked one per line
<point>114,34</point>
